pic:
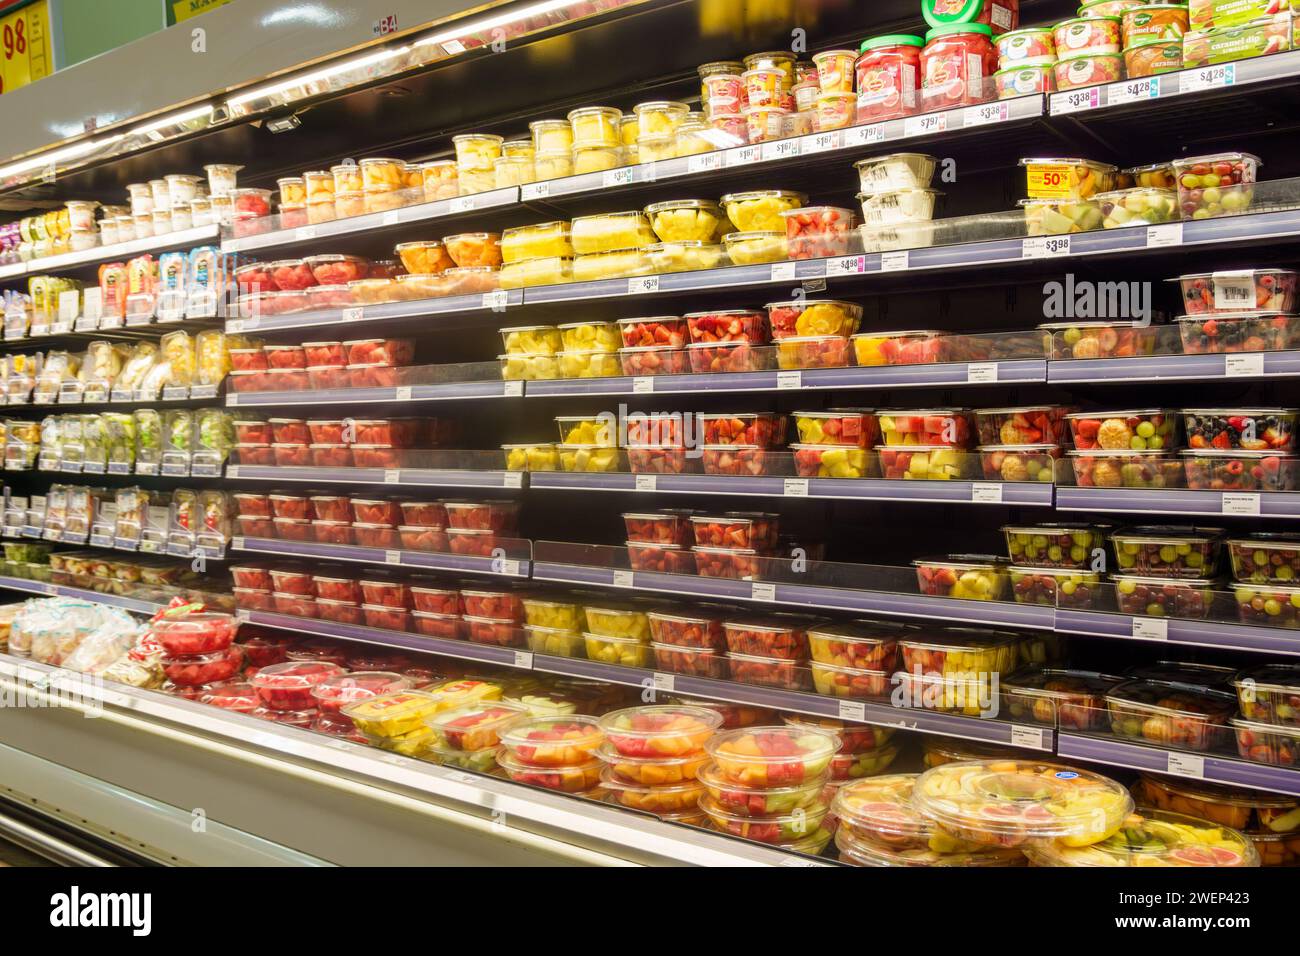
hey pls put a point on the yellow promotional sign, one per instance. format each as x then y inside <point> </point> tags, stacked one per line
<point>184,9</point>
<point>25,54</point>
<point>1050,182</point>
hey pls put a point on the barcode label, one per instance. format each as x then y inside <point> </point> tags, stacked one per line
<point>1150,629</point>
<point>1234,291</point>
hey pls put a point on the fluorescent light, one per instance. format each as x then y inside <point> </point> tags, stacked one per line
<point>174,120</point>
<point>500,20</point>
<point>319,75</point>
<point>75,151</point>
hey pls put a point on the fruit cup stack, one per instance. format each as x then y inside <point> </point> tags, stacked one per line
<point>1020,444</point>
<point>617,634</point>
<point>1268,729</point>
<point>865,750</point>
<point>957,670</point>
<point>766,783</point>
<point>739,443</point>
<point>1167,570</point>
<point>856,659</point>
<point>836,443</point>
<point>734,544</point>
<point>334,693</point>
<point>1267,570</point>
<point>554,752</point>
<point>771,651</point>
<point>587,444</point>
<point>467,737</point>
<point>285,691</point>
<point>553,625</point>
<point>198,650</point>
<point>926,444</point>
<point>396,721</point>
<point>493,615</point>
<point>652,757</point>
<point>1053,564</point>
<point>660,541</point>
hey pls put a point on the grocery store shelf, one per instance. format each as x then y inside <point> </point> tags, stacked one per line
<point>370,222</point>
<point>995,613</point>
<point>484,653</point>
<point>413,309</point>
<point>425,560</point>
<point>1220,634</point>
<point>1015,371</point>
<point>1242,365</point>
<point>495,809</point>
<point>181,239</point>
<point>46,589</point>
<point>1179,501</point>
<point>449,391</point>
<point>411,477</point>
<point>845,489</point>
<point>869,712</point>
<point>1215,769</point>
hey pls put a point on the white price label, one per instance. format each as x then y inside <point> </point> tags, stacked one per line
<point>509,568</point>
<point>393,476</point>
<point>622,176</point>
<point>853,710</point>
<point>795,488</point>
<point>786,381</point>
<point>986,492</point>
<point>763,592</point>
<point>69,305</point>
<point>1133,91</point>
<point>234,326</point>
<point>242,614</point>
<point>402,393</point>
<point>645,482</point>
<point>1150,629</point>
<point>92,304</point>
<point>846,266</point>
<point>622,579</point>
<point>780,149</point>
<point>237,543</point>
<point>1045,247</point>
<point>454,47</point>
<point>497,300</point>
<point>354,313</point>
<point>642,384</point>
<point>1234,291</point>
<point>895,261</point>
<point>1030,737</point>
<point>743,156</point>
<point>512,479</point>
<point>1208,78</point>
<point>1075,101</point>
<point>1186,765</point>
<point>392,557</point>
<point>1240,503</point>
<point>704,162</point>
<point>524,659</point>
<point>821,142</point>
<point>665,683</point>
<point>232,471</point>
<point>984,114</point>
<point>642,285</point>
<point>1243,365</point>
<point>981,373</point>
<point>460,204</point>
<point>784,271</point>
<point>304,234</point>
<point>392,218</point>
<point>864,135</point>
<point>534,191</point>
<point>925,125</point>
<point>1165,235</point>
<point>512,389</point>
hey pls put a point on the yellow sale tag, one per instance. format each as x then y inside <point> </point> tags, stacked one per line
<point>25,54</point>
<point>1049,182</point>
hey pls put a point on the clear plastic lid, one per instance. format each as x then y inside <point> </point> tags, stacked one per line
<point>1023,799</point>
<point>882,805</point>
<point>1234,317</point>
<point>863,632</point>
<point>295,675</point>
<point>763,194</point>
<point>1186,672</point>
<point>1126,412</point>
<point>965,562</point>
<point>474,723</point>
<point>358,685</point>
<point>1167,534</point>
<point>768,747</point>
<point>538,739</point>
<point>1218,793</point>
<point>860,853</point>
<point>1283,678</point>
<point>1184,162</point>
<point>1150,837</point>
<point>793,827</point>
<point>1058,683</point>
<point>1173,698</point>
<point>663,729</point>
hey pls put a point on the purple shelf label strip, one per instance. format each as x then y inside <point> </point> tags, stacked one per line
<point>1270,640</point>
<point>429,477</point>
<point>1217,769</point>
<point>374,635</point>
<point>1169,368</point>
<point>438,561</point>
<point>1171,501</point>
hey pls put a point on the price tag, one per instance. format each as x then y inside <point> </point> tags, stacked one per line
<point>795,488</point>
<point>1234,291</point>
<point>1165,235</point>
<point>402,393</point>
<point>1207,78</point>
<point>743,156</point>
<point>453,47</point>
<point>149,468</point>
<point>1075,101</point>
<point>392,557</point>
<point>69,305</point>
<point>780,149</point>
<point>986,492</point>
<point>1243,365</point>
<point>925,125</point>
<point>304,234</point>
<point>984,114</point>
<point>981,373</point>
<point>622,176</point>
<point>512,479</point>
<point>853,710</point>
<point>786,381</point>
<point>393,476</point>
<point>666,683</point>
<point>1133,91</point>
<point>392,218</point>
<point>1030,737</point>
<point>646,483</point>
<point>460,204</point>
<point>1187,765</point>
<point>507,567</point>
<point>1150,629</point>
<point>642,384</point>
<point>92,305</point>
<point>1045,247</point>
<point>497,300</point>
<point>846,266</point>
<point>895,261</point>
<point>761,591</point>
<point>642,285</point>
<point>234,326</point>
<point>1240,503</point>
<point>783,271</point>
<point>524,659</point>
<point>864,135</point>
<point>704,162</point>
<point>534,191</point>
<point>232,471</point>
<point>821,142</point>
<point>512,389</point>
<point>354,313</point>
<point>622,579</point>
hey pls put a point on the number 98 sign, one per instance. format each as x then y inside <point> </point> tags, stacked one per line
<point>24,47</point>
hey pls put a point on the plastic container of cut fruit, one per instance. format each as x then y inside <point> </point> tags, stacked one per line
<point>737,529</point>
<point>1168,551</point>
<point>758,802</point>
<point>867,645</point>
<point>805,317</point>
<point>1015,802</point>
<point>760,210</point>
<point>566,778</point>
<point>1270,694</point>
<point>772,637</point>
<point>1238,470</point>
<point>1250,429</point>
<point>936,427</point>
<point>1266,558</point>
<point>1067,178</point>
<point>1171,714</point>
<point>290,686</point>
<point>1070,699</point>
<point>699,630</point>
<point>1025,425</point>
<point>912,347</point>
<point>659,731</point>
<point>959,650</point>
<point>1019,462</point>
<point>1153,837</point>
<point>552,741</point>
<point>657,527</point>
<point>756,247</point>
<point>1144,468</point>
<point>813,351</point>
<point>765,757</point>
<point>1165,597</point>
<point>970,576</point>
<point>1138,429</point>
<point>1063,341</point>
<point>1245,290</point>
<point>194,634</point>
<point>755,429</point>
<point>1061,545</point>
<point>651,771</point>
<point>608,620</point>
<point>1274,744</point>
<point>816,232</point>
<point>473,727</point>
<point>849,427</point>
<point>1222,184</point>
<point>556,614</point>
<point>879,812</point>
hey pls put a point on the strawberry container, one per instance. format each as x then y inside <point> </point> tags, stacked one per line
<point>299,605</point>
<point>253,505</point>
<point>815,232</point>
<point>292,581</point>
<point>496,604</point>
<point>284,356</point>
<point>659,331</point>
<point>334,588</point>
<point>199,669</point>
<point>769,672</point>
<point>424,514</point>
<point>446,626</point>
<point>256,576</point>
<point>331,456</point>
<point>740,564</point>
<point>500,516</point>
<point>195,634</point>
<point>465,541</point>
<point>775,637</point>
<point>693,661</point>
<point>422,539</point>
<point>738,460</point>
<point>332,532</point>
<point>290,455</point>
<point>697,630</point>
<point>376,456</point>
<point>386,618</point>
<point>660,460</point>
<point>654,360</point>
<point>292,529</point>
<point>1246,290</point>
<point>739,356</point>
<point>484,630</point>
<point>435,600</point>
<point>376,511</point>
<point>290,506</point>
<point>256,526</point>
<point>331,507</point>
<point>376,535</point>
<point>761,429</point>
<point>736,325</point>
<point>661,558</point>
<point>289,686</point>
<point>736,530</point>
<point>380,352</point>
<point>1027,425</point>
<point>658,527</point>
